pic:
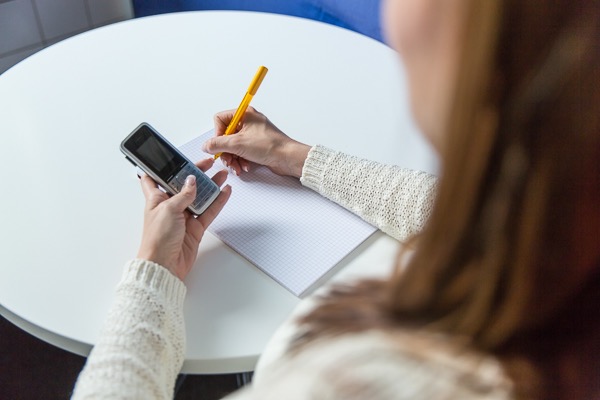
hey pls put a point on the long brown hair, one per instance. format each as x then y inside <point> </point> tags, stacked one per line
<point>512,223</point>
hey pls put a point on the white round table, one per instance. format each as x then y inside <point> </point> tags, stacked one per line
<point>71,209</point>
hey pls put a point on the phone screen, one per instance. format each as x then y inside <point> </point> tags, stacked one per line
<point>157,157</point>
<point>156,154</point>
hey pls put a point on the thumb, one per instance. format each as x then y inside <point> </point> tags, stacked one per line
<point>218,144</point>
<point>187,195</point>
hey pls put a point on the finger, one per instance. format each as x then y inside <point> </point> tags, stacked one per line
<point>197,226</point>
<point>205,164</point>
<point>215,208</point>
<point>222,144</point>
<point>221,120</point>
<point>244,164</point>
<point>154,196</point>
<point>186,197</point>
<point>226,159</point>
<point>235,166</point>
<point>220,177</point>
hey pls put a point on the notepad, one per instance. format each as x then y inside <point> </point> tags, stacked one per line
<point>289,231</point>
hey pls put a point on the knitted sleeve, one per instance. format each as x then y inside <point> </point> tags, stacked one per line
<point>396,200</point>
<point>377,366</point>
<point>141,349</point>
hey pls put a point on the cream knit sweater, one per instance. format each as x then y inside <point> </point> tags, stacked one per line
<point>141,348</point>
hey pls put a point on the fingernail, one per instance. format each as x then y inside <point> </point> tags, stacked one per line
<point>245,168</point>
<point>225,163</point>
<point>190,180</point>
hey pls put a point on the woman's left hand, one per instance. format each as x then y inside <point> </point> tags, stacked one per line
<point>172,234</point>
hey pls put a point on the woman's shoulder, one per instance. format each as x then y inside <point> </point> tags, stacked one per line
<point>383,365</point>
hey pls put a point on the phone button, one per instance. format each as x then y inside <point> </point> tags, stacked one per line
<point>131,161</point>
<point>184,173</point>
<point>175,185</point>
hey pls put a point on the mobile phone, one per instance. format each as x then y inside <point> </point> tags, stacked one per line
<point>154,155</point>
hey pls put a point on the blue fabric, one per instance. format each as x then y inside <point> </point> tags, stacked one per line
<point>358,15</point>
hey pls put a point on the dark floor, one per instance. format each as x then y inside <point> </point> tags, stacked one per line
<point>33,369</point>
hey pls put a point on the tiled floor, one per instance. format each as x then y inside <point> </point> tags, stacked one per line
<point>27,26</point>
<point>31,369</point>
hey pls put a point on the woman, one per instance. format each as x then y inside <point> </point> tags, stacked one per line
<point>498,300</point>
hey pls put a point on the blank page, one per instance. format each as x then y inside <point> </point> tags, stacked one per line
<point>290,232</point>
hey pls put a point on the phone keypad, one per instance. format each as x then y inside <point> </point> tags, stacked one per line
<point>205,187</point>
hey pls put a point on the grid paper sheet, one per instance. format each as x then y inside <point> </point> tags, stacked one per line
<point>290,232</point>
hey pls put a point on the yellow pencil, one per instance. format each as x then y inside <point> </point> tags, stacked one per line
<point>239,113</point>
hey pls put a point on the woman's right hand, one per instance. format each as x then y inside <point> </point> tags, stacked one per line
<point>257,141</point>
